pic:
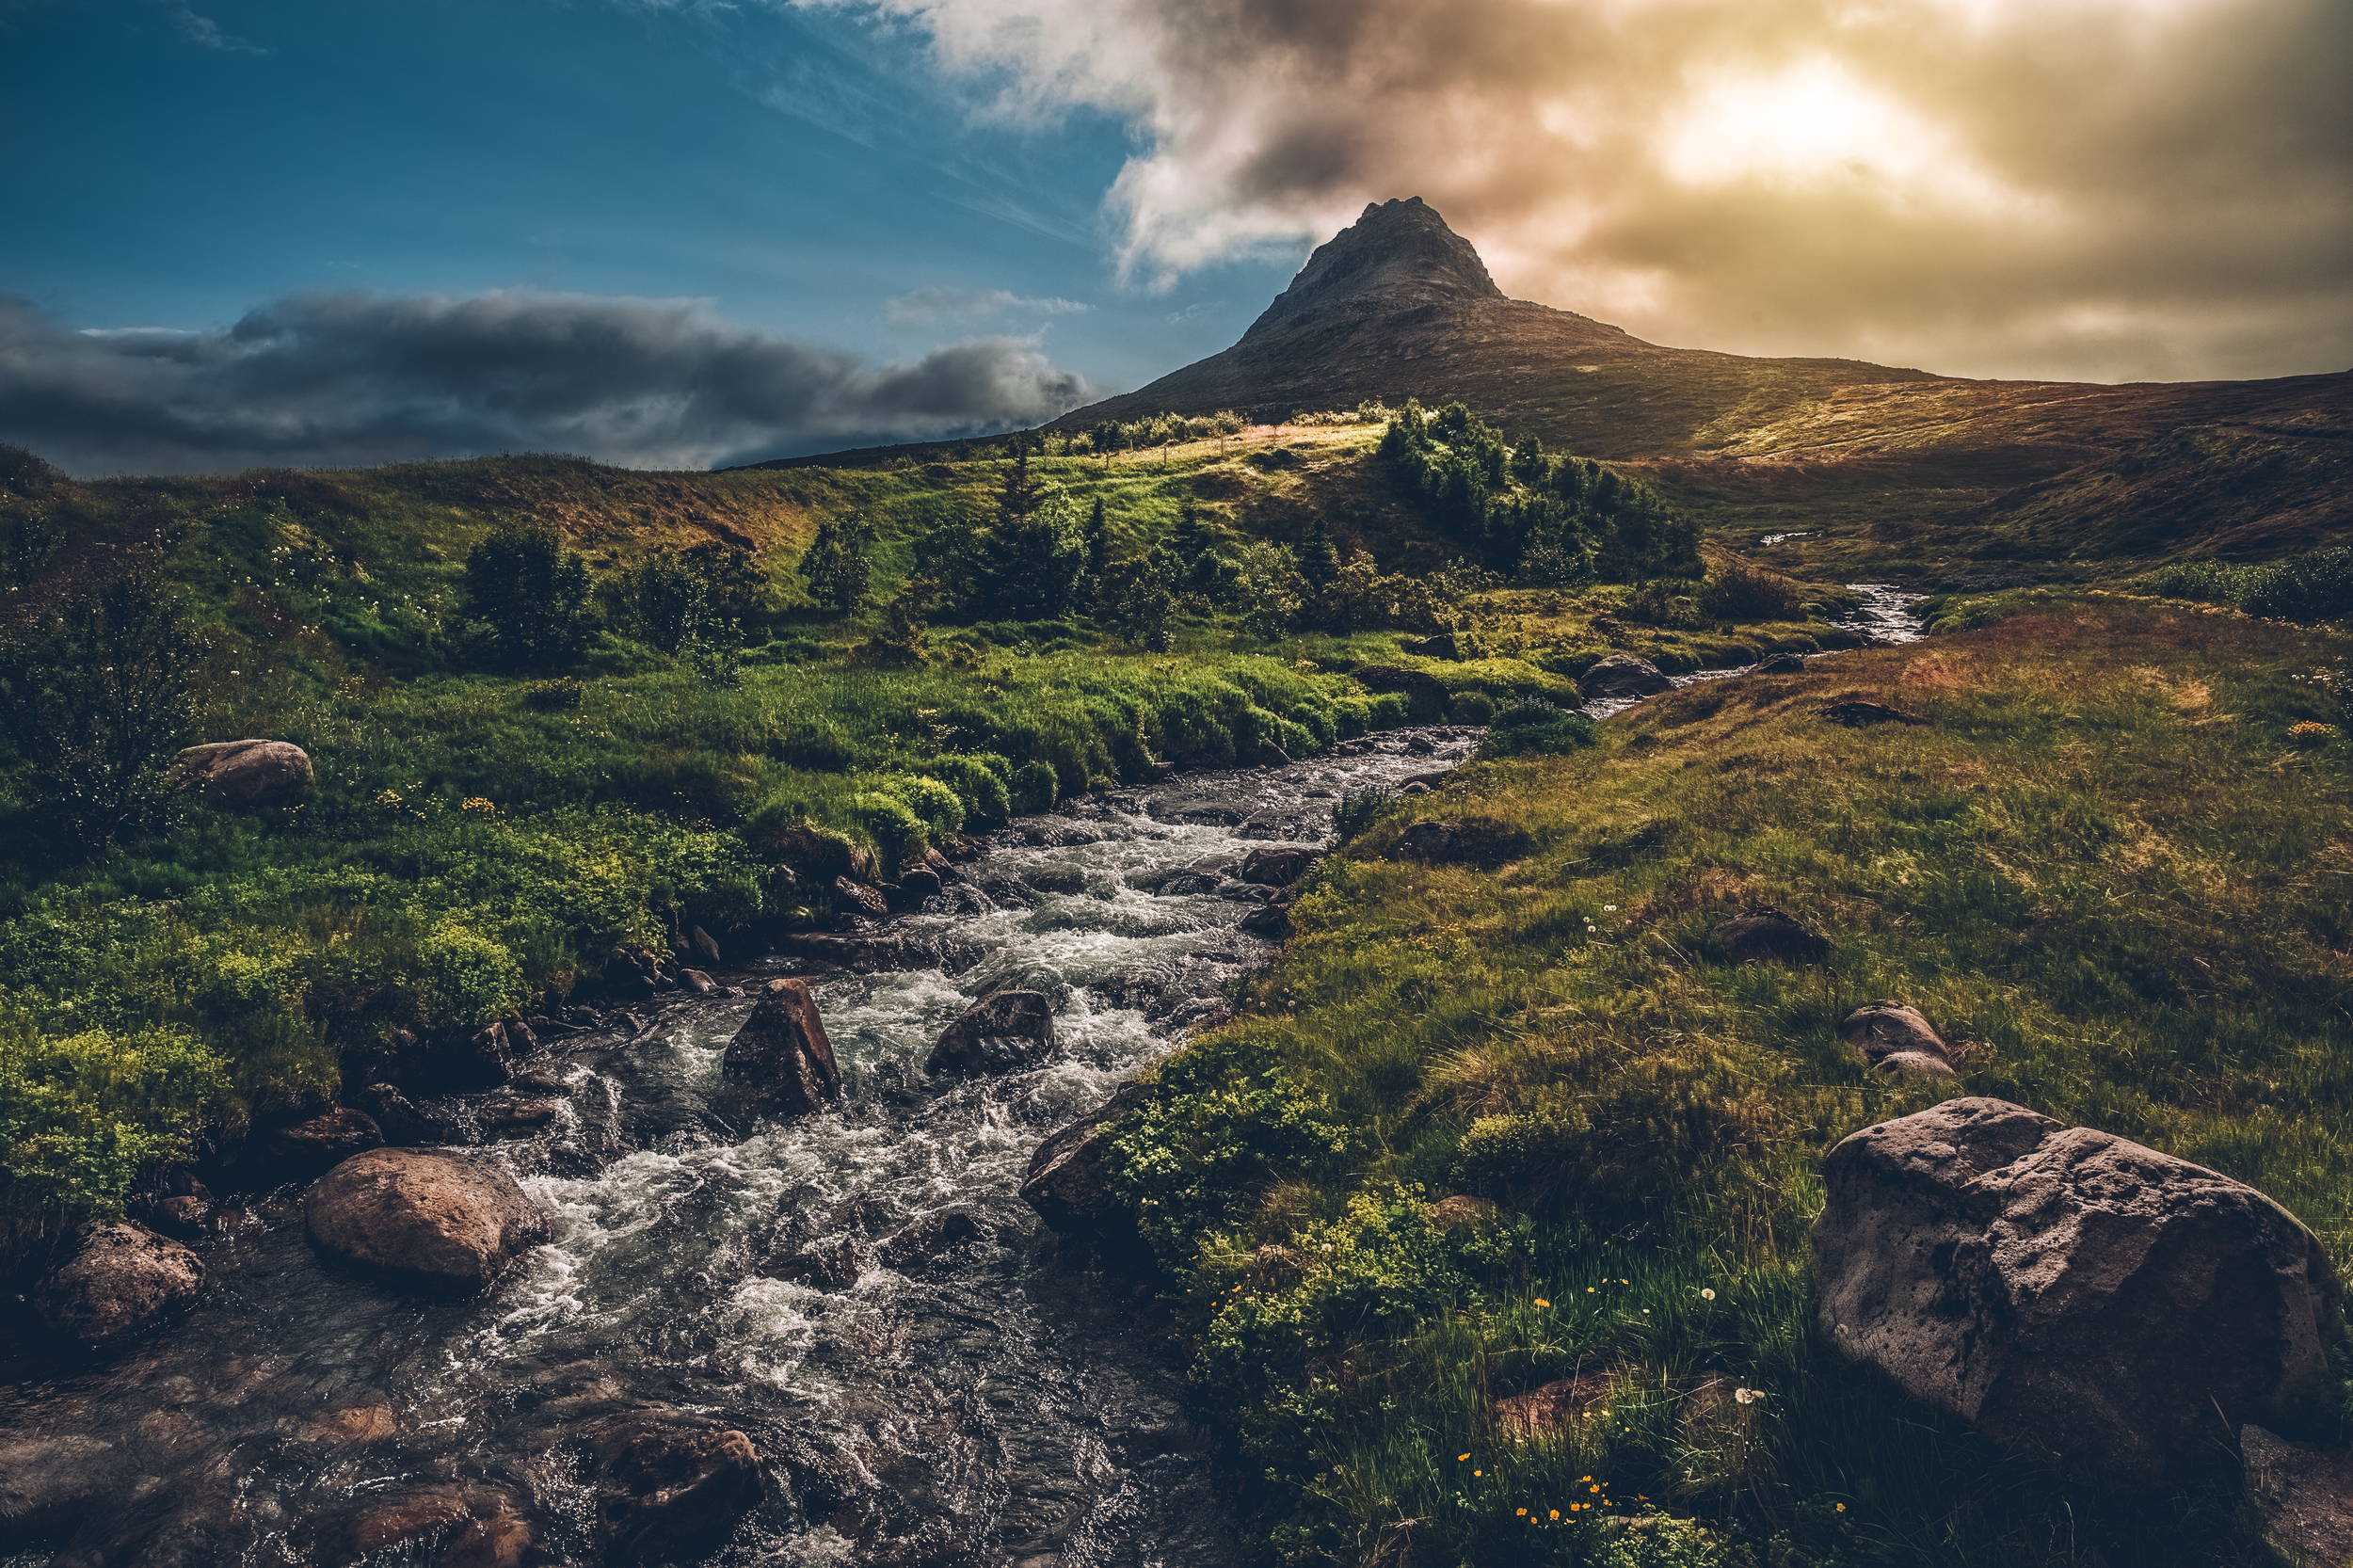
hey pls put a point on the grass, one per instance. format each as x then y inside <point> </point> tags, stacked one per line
<point>2107,865</point>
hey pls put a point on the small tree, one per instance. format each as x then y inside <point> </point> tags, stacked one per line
<point>97,699</point>
<point>1147,601</point>
<point>526,599</point>
<point>1098,543</point>
<point>836,566</point>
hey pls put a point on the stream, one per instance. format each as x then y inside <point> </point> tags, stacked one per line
<point>979,1396</point>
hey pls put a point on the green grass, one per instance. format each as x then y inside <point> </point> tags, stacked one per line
<point>2106,865</point>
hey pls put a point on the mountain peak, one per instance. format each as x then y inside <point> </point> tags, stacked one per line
<point>1399,253</point>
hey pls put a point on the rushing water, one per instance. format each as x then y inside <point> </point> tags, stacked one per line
<point>1885,615</point>
<point>976,1396</point>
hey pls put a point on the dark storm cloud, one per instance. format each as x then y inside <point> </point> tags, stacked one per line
<point>332,379</point>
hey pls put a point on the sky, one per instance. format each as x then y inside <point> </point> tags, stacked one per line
<point>686,233</point>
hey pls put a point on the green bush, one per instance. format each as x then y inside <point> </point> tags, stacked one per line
<point>1034,788</point>
<point>1535,729</point>
<point>2314,587</point>
<point>81,1118</point>
<point>886,820</point>
<point>933,802</point>
<point>474,977</point>
<point>979,783</point>
<point>1743,591</point>
<point>1472,708</point>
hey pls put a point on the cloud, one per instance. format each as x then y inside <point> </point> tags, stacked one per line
<point>2113,188</point>
<point>206,33</point>
<point>931,307</point>
<point>352,378</point>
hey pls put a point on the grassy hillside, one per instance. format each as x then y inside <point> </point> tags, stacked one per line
<point>1487,1128</point>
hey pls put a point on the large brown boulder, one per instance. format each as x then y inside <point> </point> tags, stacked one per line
<point>246,772</point>
<point>1894,1039</point>
<point>428,1220</point>
<point>119,1281</point>
<point>1002,1032</point>
<point>2306,1494</point>
<point>1068,1181</point>
<point>1622,675</point>
<point>668,1485</point>
<point>2074,1295</point>
<point>780,1061</point>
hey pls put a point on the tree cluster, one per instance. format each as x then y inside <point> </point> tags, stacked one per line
<point>1533,516</point>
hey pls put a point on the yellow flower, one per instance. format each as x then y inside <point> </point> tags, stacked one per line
<point>1556,1514</point>
<point>1541,1302</point>
<point>1842,1508</point>
<point>1463,1458</point>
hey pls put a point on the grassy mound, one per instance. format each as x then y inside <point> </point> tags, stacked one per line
<point>1487,1130</point>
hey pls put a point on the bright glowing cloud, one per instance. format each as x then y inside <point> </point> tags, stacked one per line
<point>1937,180</point>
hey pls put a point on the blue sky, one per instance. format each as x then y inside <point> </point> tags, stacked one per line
<point>810,174</point>
<point>674,233</point>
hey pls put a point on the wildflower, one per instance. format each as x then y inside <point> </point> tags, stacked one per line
<point>1842,1508</point>
<point>1609,909</point>
<point>1746,1396</point>
<point>1541,1302</point>
<point>1461,1458</point>
<point>1556,1514</point>
<point>1522,1510</point>
<point>1706,1293</point>
<point>1589,1290</point>
<point>1479,1472</point>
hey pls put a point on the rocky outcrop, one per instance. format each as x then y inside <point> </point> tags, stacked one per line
<point>1462,841</point>
<point>1895,1040</point>
<point>2306,1495</point>
<point>244,773</point>
<point>856,898</point>
<point>119,1282</point>
<point>2072,1295</point>
<point>780,1061</point>
<point>427,1221</point>
<point>1620,677</point>
<point>1768,935</point>
<point>1068,1181</point>
<point>1002,1032</point>
<point>668,1485</point>
<point>311,1147</point>
<point>1277,867</point>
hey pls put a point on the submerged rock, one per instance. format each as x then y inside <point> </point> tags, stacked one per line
<point>428,1220</point>
<point>2070,1293</point>
<point>1002,1032</point>
<point>780,1061</point>
<point>669,1485</point>
<point>119,1282</point>
<point>1068,1181</point>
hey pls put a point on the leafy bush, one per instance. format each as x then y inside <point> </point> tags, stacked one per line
<point>934,803</point>
<point>1535,728</point>
<point>1034,788</point>
<point>474,977</point>
<point>1743,590</point>
<point>2314,587</point>
<point>82,1117</point>
<point>526,599</point>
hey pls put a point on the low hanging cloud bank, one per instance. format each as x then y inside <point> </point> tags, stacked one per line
<point>345,379</point>
<point>2113,189</point>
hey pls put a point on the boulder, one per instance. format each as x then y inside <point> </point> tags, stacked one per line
<point>1768,935</point>
<point>856,898</point>
<point>1894,1039</point>
<point>1440,647</point>
<point>244,773</point>
<point>1779,663</point>
<point>311,1147</point>
<point>473,1528</point>
<point>916,885</point>
<point>400,1121</point>
<point>186,1217</point>
<point>1269,921</point>
<point>875,955</point>
<point>1276,867</point>
<point>428,1220</point>
<point>933,1236</point>
<point>1462,842</point>
<point>1425,694</point>
<point>1268,755</point>
<point>1854,716</point>
<point>696,981</point>
<point>780,1061</point>
<point>1068,1182</point>
<point>837,1267</point>
<point>2074,1296</point>
<point>119,1281</point>
<point>1622,675</point>
<point>668,1486</point>
<point>706,946</point>
<point>1002,1032</point>
<point>2306,1494</point>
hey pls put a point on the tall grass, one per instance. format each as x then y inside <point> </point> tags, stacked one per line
<point>2099,868</point>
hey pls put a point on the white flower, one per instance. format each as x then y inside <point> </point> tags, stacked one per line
<point>1746,1396</point>
<point>1609,909</point>
<point>1707,1294</point>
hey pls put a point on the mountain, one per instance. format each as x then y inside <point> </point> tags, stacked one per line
<point>1397,305</point>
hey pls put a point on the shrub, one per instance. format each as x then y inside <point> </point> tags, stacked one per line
<point>886,820</point>
<point>1472,708</point>
<point>1744,591</point>
<point>2314,587</point>
<point>978,781</point>
<point>526,599</point>
<point>473,978</point>
<point>560,692</point>
<point>1358,810</point>
<point>1034,788</point>
<point>80,1117</point>
<point>933,802</point>
<point>1535,729</point>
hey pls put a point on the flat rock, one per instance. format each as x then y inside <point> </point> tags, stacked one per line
<point>2074,1296</point>
<point>862,954</point>
<point>1622,675</point>
<point>780,1061</point>
<point>2306,1493</point>
<point>246,772</point>
<point>119,1281</point>
<point>1894,1039</point>
<point>427,1220</point>
<point>668,1485</point>
<point>1768,935</point>
<point>1002,1032</point>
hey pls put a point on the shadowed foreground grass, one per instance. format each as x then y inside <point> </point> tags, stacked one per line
<point>1480,1130</point>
